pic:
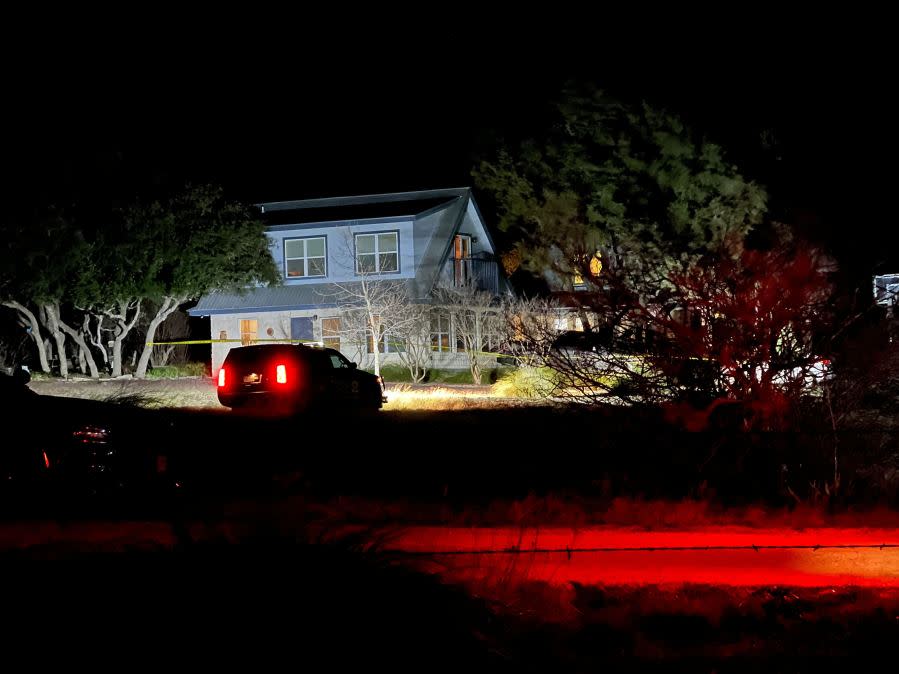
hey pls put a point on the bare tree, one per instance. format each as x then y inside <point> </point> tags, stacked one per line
<point>584,366</point>
<point>414,333</point>
<point>476,319</point>
<point>375,307</point>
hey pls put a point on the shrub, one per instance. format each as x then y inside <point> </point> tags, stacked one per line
<point>395,374</point>
<point>176,371</point>
<point>527,382</point>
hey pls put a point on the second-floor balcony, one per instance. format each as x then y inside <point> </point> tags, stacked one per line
<point>480,271</point>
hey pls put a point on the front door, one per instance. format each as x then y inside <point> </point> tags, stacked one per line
<point>301,328</point>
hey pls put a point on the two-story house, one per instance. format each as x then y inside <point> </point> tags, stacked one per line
<point>422,239</point>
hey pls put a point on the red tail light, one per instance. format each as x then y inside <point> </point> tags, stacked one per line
<point>281,374</point>
<point>222,378</point>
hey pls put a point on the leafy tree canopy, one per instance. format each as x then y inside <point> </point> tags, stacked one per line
<point>629,180</point>
<point>190,244</point>
<point>46,258</point>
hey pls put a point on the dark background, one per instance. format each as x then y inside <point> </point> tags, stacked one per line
<point>287,107</point>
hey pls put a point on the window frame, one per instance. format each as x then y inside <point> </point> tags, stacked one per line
<point>328,340</point>
<point>377,252</point>
<point>305,258</point>
<point>462,266</point>
<point>245,340</point>
<point>334,353</point>
<point>438,347</point>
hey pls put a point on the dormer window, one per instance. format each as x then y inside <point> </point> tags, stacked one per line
<point>305,258</point>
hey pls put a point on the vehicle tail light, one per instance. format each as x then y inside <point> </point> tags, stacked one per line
<point>281,374</point>
<point>222,378</point>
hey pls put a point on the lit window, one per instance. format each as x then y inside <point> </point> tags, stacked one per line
<point>462,260</point>
<point>595,267</point>
<point>249,331</point>
<point>305,257</point>
<point>440,331</point>
<point>331,333</point>
<point>377,253</point>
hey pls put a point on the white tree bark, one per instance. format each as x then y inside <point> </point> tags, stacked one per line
<point>52,311</point>
<point>79,340</point>
<point>124,325</point>
<point>96,341</point>
<point>169,305</point>
<point>29,316</point>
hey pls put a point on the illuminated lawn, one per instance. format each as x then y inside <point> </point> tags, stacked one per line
<point>200,393</point>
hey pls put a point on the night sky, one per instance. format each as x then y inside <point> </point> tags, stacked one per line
<point>278,110</point>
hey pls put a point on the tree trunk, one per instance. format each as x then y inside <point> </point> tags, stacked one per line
<point>59,337</point>
<point>123,329</point>
<point>117,357</point>
<point>160,357</point>
<point>169,306</point>
<point>375,327</point>
<point>98,342</point>
<point>35,332</point>
<point>584,319</point>
<point>474,364</point>
<point>376,356</point>
<point>85,351</point>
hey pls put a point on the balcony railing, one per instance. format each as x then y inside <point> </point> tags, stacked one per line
<point>480,272</point>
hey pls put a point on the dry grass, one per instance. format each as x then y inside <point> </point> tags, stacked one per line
<point>199,393</point>
<point>437,398</point>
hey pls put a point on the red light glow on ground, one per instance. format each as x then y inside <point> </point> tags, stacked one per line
<point>606,556</point>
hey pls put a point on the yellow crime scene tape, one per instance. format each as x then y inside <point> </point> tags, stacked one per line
<point>190,342</point>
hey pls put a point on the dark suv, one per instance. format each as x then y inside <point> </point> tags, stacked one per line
<point>292,378</point>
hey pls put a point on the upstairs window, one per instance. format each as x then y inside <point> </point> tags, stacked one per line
<point>377,253</point>
<point>305,257</point>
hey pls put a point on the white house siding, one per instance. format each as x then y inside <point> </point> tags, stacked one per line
<point>227,327</point>
<point>340,251</point>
